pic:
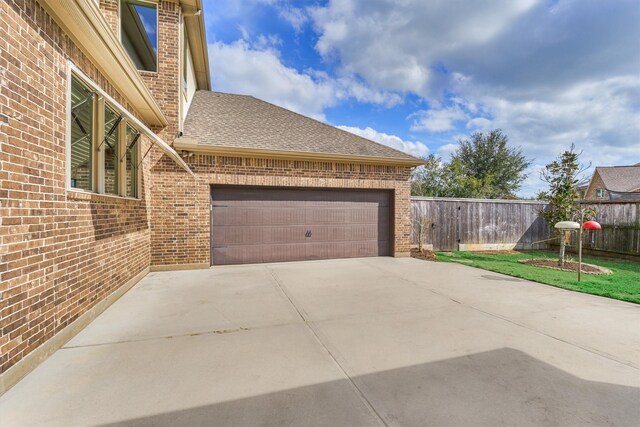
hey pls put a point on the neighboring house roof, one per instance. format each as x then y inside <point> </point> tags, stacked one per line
<point>620,178</point>
<point>244,124</point>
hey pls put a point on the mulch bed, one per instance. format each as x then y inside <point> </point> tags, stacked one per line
<point>568,266</point>
<point>424,255</point>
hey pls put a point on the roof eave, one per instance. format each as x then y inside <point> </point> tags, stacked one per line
<point>189,144</point>
<point>197,37</point>
<point>85,24</point>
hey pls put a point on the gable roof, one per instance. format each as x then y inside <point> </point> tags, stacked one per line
<point>245,124</point>
<point>620,178</point>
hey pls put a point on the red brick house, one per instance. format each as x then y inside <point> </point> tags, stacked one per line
<point>116,159</point>
<point>617,183</point>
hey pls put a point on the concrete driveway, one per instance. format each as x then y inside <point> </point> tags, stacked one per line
<point>375,341</point>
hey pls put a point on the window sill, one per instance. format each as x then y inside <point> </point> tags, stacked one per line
<point>77,194</point>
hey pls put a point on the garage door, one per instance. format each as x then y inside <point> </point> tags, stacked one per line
<point>252,225</point>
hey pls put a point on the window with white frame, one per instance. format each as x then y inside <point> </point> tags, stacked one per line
<point>81,138</point>
<point>104,148</point>
<point>131,161</point>
<point>600,193</point>
<point>139,32</point>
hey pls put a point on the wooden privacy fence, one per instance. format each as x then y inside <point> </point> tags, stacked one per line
<point>620,227</point>
<point>478,224</point>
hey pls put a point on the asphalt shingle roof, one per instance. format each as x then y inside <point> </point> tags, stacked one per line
<point>620,178</point>
<point>240,121</point>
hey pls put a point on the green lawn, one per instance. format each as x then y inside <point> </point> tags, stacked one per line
<point>623,284</point>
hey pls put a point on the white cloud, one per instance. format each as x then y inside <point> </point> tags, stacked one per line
<point>439,120</point>
<point>238,68</point>
<point>295,16</point>
<point>415,148</point>
<point>257,69</point>
<point>407,39</point>
<point>532,184</point>
<point>446,150</point>
<point>600,117</point>
<point>480,124</point>
<point>350,87</point>
<point>548,73</point>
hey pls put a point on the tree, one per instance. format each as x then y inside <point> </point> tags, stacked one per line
<point>428,180</point>
<point>438,179</point>
<point>562,175</point>
<point>485,166</point>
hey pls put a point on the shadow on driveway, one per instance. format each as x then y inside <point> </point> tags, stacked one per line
<point>499,387</point>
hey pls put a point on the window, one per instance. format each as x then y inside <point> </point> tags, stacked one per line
<point>110,145</point>
<point>600,193</point>
<point>185,54</point>
<point>104,147</point>
<point>139,33</point>
<point>82,106</point>
<point>131,161</point>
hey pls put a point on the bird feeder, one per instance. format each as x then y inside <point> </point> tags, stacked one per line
<point>565,227</point>
<point>591,226</point>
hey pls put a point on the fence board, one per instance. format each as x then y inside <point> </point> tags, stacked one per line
<point>620,227</point>
<point>480,223</point>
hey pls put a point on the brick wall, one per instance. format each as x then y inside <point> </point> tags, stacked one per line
<point>596,182</point>
<point>180,229</point>
<point>63,252</point>
<point>165,83</point>
<point>111,12</point>
<point>60,252</point>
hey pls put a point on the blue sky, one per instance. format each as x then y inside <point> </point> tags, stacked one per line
<point>419,75</point>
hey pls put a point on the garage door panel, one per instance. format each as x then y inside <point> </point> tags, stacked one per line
<point>223,216</point>
<point>255,235</point>
<point>293,252</point>
<point>272,225</point>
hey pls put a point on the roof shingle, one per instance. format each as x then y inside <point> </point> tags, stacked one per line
<point>240,121</point>
<point>620,178</point>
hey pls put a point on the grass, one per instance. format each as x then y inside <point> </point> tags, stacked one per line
<point>623,284</point>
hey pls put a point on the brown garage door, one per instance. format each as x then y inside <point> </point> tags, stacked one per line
<point>251,225</point>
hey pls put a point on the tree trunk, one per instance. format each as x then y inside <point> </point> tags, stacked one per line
<point>563,237</point>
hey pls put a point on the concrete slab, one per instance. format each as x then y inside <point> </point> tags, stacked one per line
<point>377,341</point>
<point>178,303</point>
<point>603,325</point>
<point>343,288</point>
<point>275,376</point>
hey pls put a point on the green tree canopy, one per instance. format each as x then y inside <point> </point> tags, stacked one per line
<point>562,175</point>
<point>496,168</point>
<point>482,167</point>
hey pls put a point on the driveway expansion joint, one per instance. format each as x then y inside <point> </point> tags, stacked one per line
<point>359,392</point>
<point>165,337</point>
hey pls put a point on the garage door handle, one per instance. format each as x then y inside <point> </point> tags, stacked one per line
<point>308,233</point>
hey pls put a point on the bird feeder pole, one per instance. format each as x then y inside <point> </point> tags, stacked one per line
<point>580,244</point>
<point>589,225</point>
<point>564,227</point>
